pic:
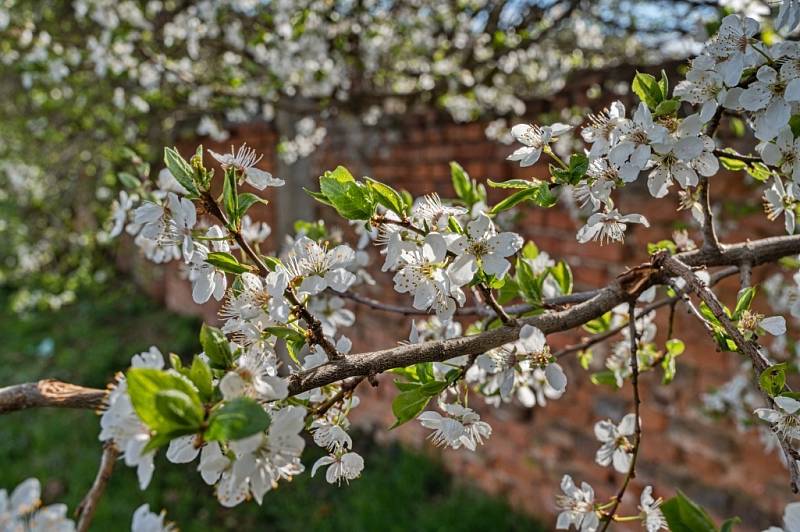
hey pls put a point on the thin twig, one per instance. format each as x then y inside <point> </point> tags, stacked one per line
<point>489,299</point>
<point>346,390</point>
<point>86,509</point>
<point>637,426</point>
<point>316,336</point>
<point>477,310</point>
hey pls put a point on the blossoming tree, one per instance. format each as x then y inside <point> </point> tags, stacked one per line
<point>237,411</point>
<point>88,78</point>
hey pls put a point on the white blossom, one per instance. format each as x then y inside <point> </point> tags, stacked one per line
<point>770,96</point>
<point>422,273</point>
<point>608,226</point>
<point>23,511</point>
<point>265,458</point>
<point>603,129</point>
<point>533,345</point>
<point>617,440</point>
<point>785,151</point>
<point>245,160</point>
<point>321,268</point>
<point>343,466</point>
<point>783,418</point>
<point>460,427</point>
<point>146,521</point>
<point>535,139</point>
<point>652,516</point>
<point>791,514</point>
<point>482,245</point>
<point>577,507</point>
<point>633,150</point>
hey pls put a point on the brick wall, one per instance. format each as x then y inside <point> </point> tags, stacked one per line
<point>531,449</point>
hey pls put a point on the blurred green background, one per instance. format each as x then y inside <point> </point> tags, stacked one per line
<point>87,342</point>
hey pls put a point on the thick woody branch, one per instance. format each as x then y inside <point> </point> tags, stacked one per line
<point>621,290</point>
<point>50,393</point>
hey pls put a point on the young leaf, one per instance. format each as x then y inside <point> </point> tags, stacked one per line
<point>684,515</point>
<point>773,379</point>
<point>166,403</point>
<point>230,197</point>
<point>387,196</point>
<point>743,301</point>
<point>247,200</point>
<point>236,419</point>
<point>180,169</point>
<point>200,375</point>
<point>647,89</point>
<point>352,200</point>
<point>226,262</point>
<point>216,347</point>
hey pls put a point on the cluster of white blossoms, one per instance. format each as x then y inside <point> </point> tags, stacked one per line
<point>435,267</point>
<point>23,510</point>
<point>736,72</point>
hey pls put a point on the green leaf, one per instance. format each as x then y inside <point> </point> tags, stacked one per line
<point>230,198</point>
<point>466,188</point>
<point>773,379</point>
<point>647,89</point>
<point>287,333</point>
<point>462,184</point>
<point>674,349</point>
<point>727,526</point>
<point>759,172</point>
<point>606,377</point>
<point>319,196</point>
<point>216,347</point>
<point>352,200</point>
<point>666,108</point>
<point>180,169</point>
<point>743,301</point>
<point>563,276</point>
<point>168,404</point>
<point>511,183</point>
<point>129,180</point>
<point>200,375</point>
<point>247,200</point>
<point>409,404</point>
<point>539,194</point>
<point>732,164</point>
<point>226,262</point>
<point>663,84</point>
<point>684,515</point>
<point>668,245</point>
<point>529,250</point>
<point>236,419</point>
<point>387,196</point>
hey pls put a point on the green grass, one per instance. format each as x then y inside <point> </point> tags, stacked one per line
<point>88,342</point>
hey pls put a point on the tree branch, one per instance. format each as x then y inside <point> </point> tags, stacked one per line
<point>638,426</point>
<point>756,252</point>
<point>86,509</point>
<point>674,266</point>
<point>50,393</point>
